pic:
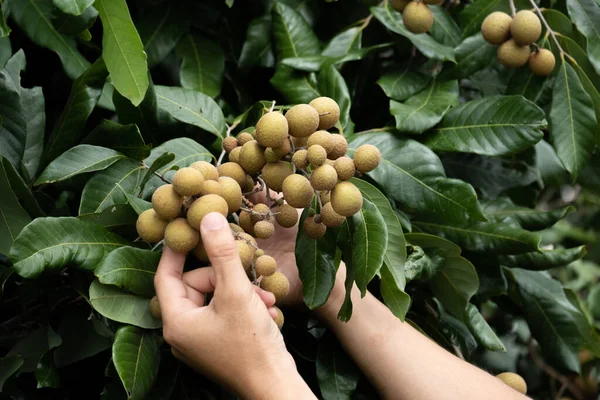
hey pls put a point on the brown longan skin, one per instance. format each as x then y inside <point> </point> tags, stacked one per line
<point>205,205</point>
<point>417,17</point>
<point>232,193</point>
<point>261,212</point>
<point>513,380</point>
<point>316,155</point>
<point>340,147</point>
<point>300,159</point>
<point>278,284</point>
<point>312,229</point>
<point>542,62</point>
<point>166,202</point>
<point>150,227</point>
<point>275,173</point>
<point>272,129</point>
<point>229,143</point>
<point>208,170</point>
<point>346,199</point>
<point>303,120</point>
<point>330,218</point>
<point>232,170</point>
<point>322,138</point>
<point>246,222</point>
<point>495,28</point>
<point>297,191</point>
<point>328,111</point>
<point>212,187</point>
<point>264,229</point>
<point>525,28</point>
<point>367,158</point>
<point>279,320</point>
<point>287,216</point>
<point>265,265</point>
<point>200,252</point>
<point>344,166</point>
<point>234,155</point>
<point>252,157</point>
<point>244,137</point>
<point>188,181</point>
<point>284,149</point>
<point>323,177</point>
<point>245,252</point>
<point>180,236</point>
<point>511,55</point>
<point>155,308</point>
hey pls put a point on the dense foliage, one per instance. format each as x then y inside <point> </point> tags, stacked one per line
<point>482,216</point>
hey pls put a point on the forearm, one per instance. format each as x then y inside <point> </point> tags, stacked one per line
<point>404,364</point>
<point>275,384</point>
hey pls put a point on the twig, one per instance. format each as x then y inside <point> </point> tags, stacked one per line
<point>157,244</point>
<point>318,194</point>
<point>221,158</point>
<point>513,9</point>
<point>162,178</point>
<point>548,29</point>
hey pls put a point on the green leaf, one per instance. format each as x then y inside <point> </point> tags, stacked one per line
<point>296,86</point>
<point>444,30</point>
<point>336,373</point>
<point>332,84</point>
<point>425,109</point>
<point>528,218</point>
<point>108,187</point>
<point>524,82</point>
<point>492,126</point>
<point>4,32</point>
<point>394,297</point>
<point>545,260</point>
<point>573,124</point>
<point>413,175</point>
<point>558,21</point>
<point>481,330</point>
<point>315,265</point>
<point>485,236</point>
<point>293,36</point>
<point>257,48</point>
<point>442,246</point>
<point>454,284</point>
<point>586,16</point>
<point>78,160</point>
<point>46,373</point>
<point>13,129</point>
<point>400,84</point>
<point>34,345</point>
<point>57,242</point>
<point>73,7</point>
<point>129,268</point>
<point>115,218</point>
<point>471,17</point>
<point>136,355</point>
<point>349,40</point>
<point>122,50</point>
<point>21,190</point>
<point>12,216</point>
<point>425,43</point>
<point>161,27</point>
<point>157,164</point>
<point>192,107</point>
<point>9,365</point>
<point>122,306</point>
<point>549,167</point>
<point>75,24</point>
<point>472,54</point>
<point>145,116</point>
<point>5,50</point>
<point>138,205</point>
<point>315,63</point>
<point>33,111</point>
<point>203,64</point>
<point>34,17</point>
<point>125,139</point>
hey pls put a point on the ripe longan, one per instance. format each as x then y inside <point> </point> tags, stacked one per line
<point>284,149</point>
<point>155,308</point>
<point>200,252</point>
<point>399,5</point>
<point>166,202</point>
<point>312,229</point>
<point>542,62</point>
<point>229,143</point>
<point>246,253</point>
<point>297,191</point>
<point>235,228</point>
<point>231,193</point>
<point>328,111</point>
<point>234,155</point>
<point>261,209</point>
<point>249,184</point>
<point>496,27</point>
<point>208,170</point>
<point>303,120</point>
<point>513,380</point>
<point>150,227</point>
<point>244,137</point>
<point>246,222</point>
<point>417,17</point>
<point>270,155</point>
<point>232,170</point>
<point>511,55</point>
<point>325,196</point>
<point>205,205</point>
<point>346,199</point>
<point>246,236</point>
<point>274,174</point>
<point>258,253</point>
<point>299,142</point>
<point>340,147</point>
<point>330,218</point>
<point>264,229</point>
<point>180,236</point>
<point>265,265</point>
<point>212,187</point>
<point>300,159</point>
<point>344,166</point>
<point>272,129</point>
<point>188,181</point>
<point>316,155</point>
<point>322,138</point>
<point>252,157</point>
<point>367,157</point>
<point>279,320</point>
<point>277,284</point>
<point>525,28</point>
<point>323,177</point>
<point>287,217</point>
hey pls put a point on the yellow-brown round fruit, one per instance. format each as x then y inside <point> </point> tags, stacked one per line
<point>366,157</point>
<point>234,155</point>
<point>180,236</point>
<point>322,138</point>
<point>297,191</point>
<point>496,27</point>
<point>246,253</point>
<point>261,212</point>
<point>542,62</point>
<point>233,170</point>
<point>417,17</point>
<point>279,320</point>
<point>150,227</point>
<point>235,228</point>
<point>155,308</point>
<point>229,143</point>
<point>300,159</point>
<point>246,222</point>
<point>258,253</point>
<point>166,202</point>
<point>200,252</point>
<point>330,218</point>
<point>205,205</point>
<point>299,142</point>
<point>511,55</point>
<point>264,229</point>
<point>328,111</point>
<point>525,28</point>
<point>208,170</point>
<point>399,5</point>
<point>344,166</point>
<point>274,174</point>
<point>340,147</point>
<point>323,177</point>
<point>188,181</point>
<point>270,155</point>
<point>232,193</point>
<point>316,155</point>
<point>312,229</point>
<point>514,381</point>
<point>346,199</point>
<point>287,217</point>
<point>272,129</point>
<point>212,187</point>
<point>244,138</point>
<point>249,184</point>
<point>325,196</point>
<point>247,237</point>
<point>252,157</point>
<point>284,149</point>
<point>277,284</point>
<point>265,266</point>
<point>303,120</point>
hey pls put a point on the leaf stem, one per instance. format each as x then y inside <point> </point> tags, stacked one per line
<point>548,29</point>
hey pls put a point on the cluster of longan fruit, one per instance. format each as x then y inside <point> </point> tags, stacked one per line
<point>416,16</point>
<point>293,154</point>
<point>515,35</point>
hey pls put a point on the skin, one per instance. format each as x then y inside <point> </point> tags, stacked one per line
<point>234,340</point>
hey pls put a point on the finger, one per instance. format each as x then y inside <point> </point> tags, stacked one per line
<point>267,297</point>
<point>168,283</point>
<point>273,312</point>
<point>195,296</point>
<point>201,279</point>
<point>223,254</point>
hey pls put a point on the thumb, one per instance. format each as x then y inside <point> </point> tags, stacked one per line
<point>223,254</point>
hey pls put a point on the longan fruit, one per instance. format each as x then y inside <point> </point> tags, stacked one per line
<point>287,217</point>
<point>511,55</point>
<point>274,174</point>
<point>346,199</point>
<point>155,308</point>
<point>417,17</point>
<point>284,149</point>
<point>150,227</point>
<point>264,229</point>
<point>399,5</point>
<point>344,166</point>
<point>205,205</point>
<point>244,137</point>
<point>299,142</point>
<point>270,155</point>
<point>249,184</point>
<point>188,181</point>
<point>300,159</point>
<point>330,218</point>
<point>166,202</point>
<point>297,191</point>
<point>246,222</point>
<point>325,196</point>
<point>212,187</point>
<point>328,111</point>
<point>208,170</point>
<point>246,236</point>
<point>265,266</point>
<point>367,158</point>
<point>246,253</point>
<point>277,284</point>
<point>258,253</point>
<point>200,252</point>
<point>234,155</point>
<point>312,229</point>
<point>235,228</point>
<point>303,120</point>
<point>496,27</point>
<point>316,155</point>
<point>232,193</point>
<point>340,147</point>
<point>525,28</point>
<point>232,170</point>
<point>542,62</point>
<point>263,212</point>
<point>229,143</point>
<point>252,157</point>
<point>272,129</point>
<point>513,380</point>
<point>180,236</point>
<point>322,138</point>
<point>323,177</point>
<point>279,320</point>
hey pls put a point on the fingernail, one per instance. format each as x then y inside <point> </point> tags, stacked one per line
<point>213,221</point>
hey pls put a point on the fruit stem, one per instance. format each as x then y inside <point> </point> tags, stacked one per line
<point>272,106</point>
<point>158,244</point>
<point>550,31</point>
<point>513,9</point>
<point>220,160</point>
<point>162,178</point>
<point>319,200</point>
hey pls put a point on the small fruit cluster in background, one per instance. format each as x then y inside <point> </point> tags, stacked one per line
<point>513,380</point>
<point>515,35</point>
<point>293,154</point>
<point>416,16</point>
